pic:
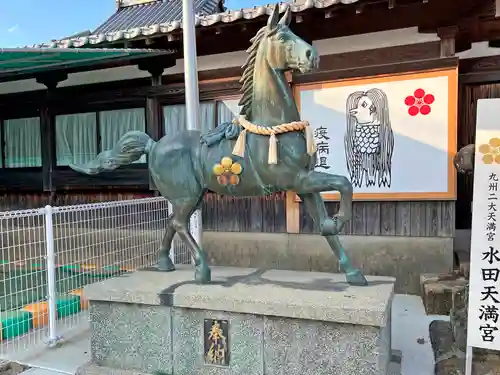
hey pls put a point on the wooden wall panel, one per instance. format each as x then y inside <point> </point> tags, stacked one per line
<point>258,214</point>
<point>21,201</point>
<point>267,214</point>
<point>415,219</point>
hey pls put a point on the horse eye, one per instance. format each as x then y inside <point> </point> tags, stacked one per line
<point>280,37</point>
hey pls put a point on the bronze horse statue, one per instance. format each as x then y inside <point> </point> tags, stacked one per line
<point>266,149</point>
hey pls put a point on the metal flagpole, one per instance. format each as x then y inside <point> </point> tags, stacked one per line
<point>191,92</point>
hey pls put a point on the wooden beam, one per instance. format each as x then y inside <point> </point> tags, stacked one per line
<point>374,70</point>
<point>480,69</point>
<point>494,43</point>
<point>380,56</point>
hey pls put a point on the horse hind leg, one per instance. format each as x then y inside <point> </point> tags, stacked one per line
<point>164,261</point>
<point>315,207</point>
<point>182,213</point>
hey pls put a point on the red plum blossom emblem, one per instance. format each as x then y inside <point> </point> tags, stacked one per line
<point>419,102</point>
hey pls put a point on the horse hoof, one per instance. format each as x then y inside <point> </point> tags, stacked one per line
<point>356,278</point>
<point>165,264</point>
<point>203,275</point>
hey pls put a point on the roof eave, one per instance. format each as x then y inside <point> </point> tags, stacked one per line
<point>129,57</point>
<point>159,30</point>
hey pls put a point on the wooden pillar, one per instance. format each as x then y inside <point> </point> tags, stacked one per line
<point>154,118</point>
<point>447,35</point>
<point>47,128</point>
<point>292,207</point>
<point>292,213</point>
<point>154,113</point>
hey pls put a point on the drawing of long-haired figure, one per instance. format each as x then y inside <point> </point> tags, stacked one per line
<point>369,140</point>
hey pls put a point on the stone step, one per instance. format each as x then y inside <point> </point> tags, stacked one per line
<point>450,358</point>
<point>439,292</point>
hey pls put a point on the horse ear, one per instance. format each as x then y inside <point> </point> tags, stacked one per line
<point>273,18</point>
<point>287,17</point>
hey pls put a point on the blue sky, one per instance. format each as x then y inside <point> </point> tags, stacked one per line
<point>28,22</point>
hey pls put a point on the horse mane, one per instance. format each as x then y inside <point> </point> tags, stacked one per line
<point>246,79</point>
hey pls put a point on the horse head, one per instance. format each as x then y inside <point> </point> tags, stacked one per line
<point>283,49</point>
<point>274,50</point>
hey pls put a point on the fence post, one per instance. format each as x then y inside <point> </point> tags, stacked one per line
<point>51,277</point>
<point>195,229</point>
<point>172,247</point>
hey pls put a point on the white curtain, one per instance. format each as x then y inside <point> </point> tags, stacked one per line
<point>227,110</point>
<point>175,117</point>
<point>114,124</point>
<point>76,138</point>
<point>23,146</point>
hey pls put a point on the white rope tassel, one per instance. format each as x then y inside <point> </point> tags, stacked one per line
<point>310,143</point>
<point>273,150</point>
<point>239,147</point>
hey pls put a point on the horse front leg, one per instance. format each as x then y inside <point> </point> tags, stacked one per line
<point>315,207</point>
<point>317,182</point>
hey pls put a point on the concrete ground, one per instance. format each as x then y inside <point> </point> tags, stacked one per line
<point>410,335</point>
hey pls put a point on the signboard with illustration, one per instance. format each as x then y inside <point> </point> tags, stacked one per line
<point>394,137</point>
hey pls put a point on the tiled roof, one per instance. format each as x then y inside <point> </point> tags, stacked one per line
<point>151,28</point>
<point>152,13</point>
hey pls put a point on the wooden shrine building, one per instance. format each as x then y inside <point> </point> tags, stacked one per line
<point>422,62</point>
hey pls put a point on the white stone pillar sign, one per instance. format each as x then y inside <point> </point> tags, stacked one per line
<point>483,330</point>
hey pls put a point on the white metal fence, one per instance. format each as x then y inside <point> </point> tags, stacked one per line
<point>48,255</point>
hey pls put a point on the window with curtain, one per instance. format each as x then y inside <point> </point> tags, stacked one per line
<point>227,110</point>
<point>23,143</point>
<point>76,138</point>
<point>114,124</point>
<point>175,117</point>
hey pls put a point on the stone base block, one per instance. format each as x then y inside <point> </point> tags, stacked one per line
<point>440,291</point>
<point>266,322</point>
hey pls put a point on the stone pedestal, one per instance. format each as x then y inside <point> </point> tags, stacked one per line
<point>273,323</point>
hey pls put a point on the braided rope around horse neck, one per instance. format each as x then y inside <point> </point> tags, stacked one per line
<point>239,147</point>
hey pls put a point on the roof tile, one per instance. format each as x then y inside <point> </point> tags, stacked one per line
<point>153,13</point>
<point>125,31</point>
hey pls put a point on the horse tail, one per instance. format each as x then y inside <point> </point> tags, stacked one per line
<point>129,148</point>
